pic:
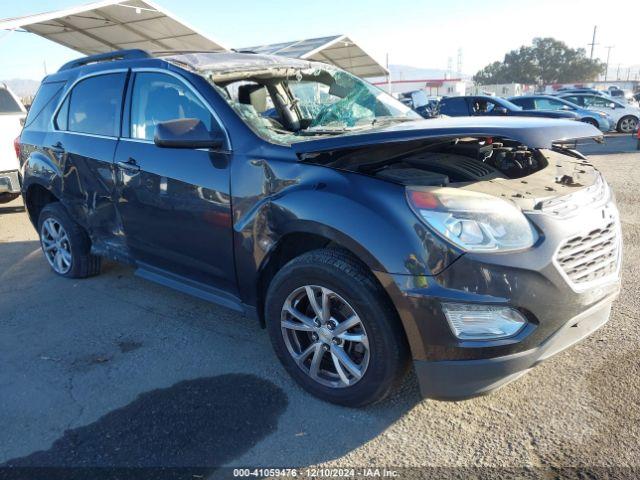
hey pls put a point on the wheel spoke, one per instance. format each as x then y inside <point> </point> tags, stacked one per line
<point>303,356</point>
<point>341,373</point>
<point>66,256</point>
<point>350,322</point>
<point>314,368</point>
<point>299,316</point>
<point>344,359</point>
<point>58,261</point>
<point>302,327</point>
<point>326,308</point>
<point>313,301</point>
<point>50,230</point>
<point>355,337</point>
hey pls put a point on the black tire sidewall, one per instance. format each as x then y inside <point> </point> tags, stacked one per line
<point>384,345</point>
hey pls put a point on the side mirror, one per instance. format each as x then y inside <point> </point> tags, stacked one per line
<point>501,110</point>
<point>566,107</point>
<point>186,133</point>
<point>612,105</point>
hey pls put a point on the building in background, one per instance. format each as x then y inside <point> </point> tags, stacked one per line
<point>501,90</point>
<point>438,87</point>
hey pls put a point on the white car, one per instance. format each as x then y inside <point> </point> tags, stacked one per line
<point>12,114</point>
<point>624,115</point>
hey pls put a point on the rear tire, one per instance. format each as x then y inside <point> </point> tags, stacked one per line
<point>627,124</point>
<point>65,244</point>
<point>376,346</point>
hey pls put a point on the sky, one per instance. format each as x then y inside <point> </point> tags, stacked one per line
<point>418,33</point>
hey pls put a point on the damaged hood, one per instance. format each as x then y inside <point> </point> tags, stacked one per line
<point>532,132</point>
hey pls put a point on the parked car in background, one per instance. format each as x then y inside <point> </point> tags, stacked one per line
<point>578,90</point>
<point>483,105</point>
<point>421,103</point>
<point>624,115</point>
<point>12,113</point>
<point>598,119</point>
<point>359,234</point>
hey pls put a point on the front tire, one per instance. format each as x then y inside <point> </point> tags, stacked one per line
<point>65,244</point>
<point>334,330</point>
<point>627,124</point>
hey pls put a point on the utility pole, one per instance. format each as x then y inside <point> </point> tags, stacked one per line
<point>618,73</point>
<point>388,76</point>
<point>606,72</point>
<point>459,72</point>
<point>593,42</point>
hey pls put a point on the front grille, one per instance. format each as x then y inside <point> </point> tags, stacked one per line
<point>591,257</point>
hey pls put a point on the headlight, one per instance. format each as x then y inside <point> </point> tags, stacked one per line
<point>473,221</point>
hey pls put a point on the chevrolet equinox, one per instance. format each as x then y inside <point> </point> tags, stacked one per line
<point>360,235</point>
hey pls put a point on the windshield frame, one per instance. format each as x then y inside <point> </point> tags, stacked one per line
<point>315,72</point>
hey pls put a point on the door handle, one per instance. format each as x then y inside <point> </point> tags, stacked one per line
<point>130,165</point>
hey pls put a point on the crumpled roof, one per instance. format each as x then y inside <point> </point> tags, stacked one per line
<point>231,61</point>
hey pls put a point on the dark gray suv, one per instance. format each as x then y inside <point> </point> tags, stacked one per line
<point>360,235</point>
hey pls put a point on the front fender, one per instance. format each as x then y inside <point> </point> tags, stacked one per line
<point>367,216</point>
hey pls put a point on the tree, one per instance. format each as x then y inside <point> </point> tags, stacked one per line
<point>546,61</point>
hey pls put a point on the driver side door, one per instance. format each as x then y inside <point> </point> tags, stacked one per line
<point>174,203</point>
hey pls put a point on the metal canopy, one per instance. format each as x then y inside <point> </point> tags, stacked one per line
<point>338,50</point>
<point>114,25</point>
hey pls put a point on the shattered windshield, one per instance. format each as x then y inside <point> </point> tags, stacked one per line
<point>290,105</point>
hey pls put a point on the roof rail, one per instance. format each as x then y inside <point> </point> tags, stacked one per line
<point>106,57</point>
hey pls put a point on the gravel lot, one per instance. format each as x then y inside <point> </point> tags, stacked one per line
<point>114,370</point>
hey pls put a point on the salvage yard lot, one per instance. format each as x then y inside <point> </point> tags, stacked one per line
<point>115,370</point>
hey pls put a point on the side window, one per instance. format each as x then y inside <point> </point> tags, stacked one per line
<point>454,107</point>
<point>62,118</point>
<point>548,104</point>
<point>525,103</point>
<point>577,99</point>
<point>44,104</point>
<point>94,106</point>
<point>159,98</point>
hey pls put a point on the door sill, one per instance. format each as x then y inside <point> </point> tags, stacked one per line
<point>191,287</point>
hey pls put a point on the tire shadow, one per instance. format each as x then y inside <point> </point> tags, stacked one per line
<point>195,424</point>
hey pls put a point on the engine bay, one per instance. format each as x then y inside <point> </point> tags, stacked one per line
<point>496,167</point>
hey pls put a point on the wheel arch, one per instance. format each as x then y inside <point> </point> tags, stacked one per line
<point>305,238</point>
<point>36,197</point>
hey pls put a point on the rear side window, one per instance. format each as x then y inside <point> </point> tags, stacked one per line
<point>94,106</point>
<point>454,106</point>
<point>46,101</point>
<point>8,103</point>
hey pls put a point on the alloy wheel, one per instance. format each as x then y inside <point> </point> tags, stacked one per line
<point>325,336</point>
<point>628,125</point>
<point>56,246</point>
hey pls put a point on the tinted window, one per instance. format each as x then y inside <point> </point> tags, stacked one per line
<point>95,105</point>
<point>549,104</point>
<point>526,103</point>
<point>577,99</point>
<point>597,101</point>
<point>159,98</point>
<point>7,103</point>
<point>46,101</point>
<point>454,107</point>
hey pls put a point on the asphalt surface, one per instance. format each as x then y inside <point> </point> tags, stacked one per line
<point>117,371</point>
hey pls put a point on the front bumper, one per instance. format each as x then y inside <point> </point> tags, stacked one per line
<point>9,182</point>
<point>559,309</point>
<point>460,379</point>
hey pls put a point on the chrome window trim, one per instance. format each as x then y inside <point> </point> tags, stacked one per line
<point>193,90</point>
<point>68,92</point>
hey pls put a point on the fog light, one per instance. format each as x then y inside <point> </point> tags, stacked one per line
<point>482,322</point>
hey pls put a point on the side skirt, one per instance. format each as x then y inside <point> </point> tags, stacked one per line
<point>195,289</point>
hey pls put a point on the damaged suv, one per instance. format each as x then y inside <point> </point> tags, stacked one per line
<point>359,234</point>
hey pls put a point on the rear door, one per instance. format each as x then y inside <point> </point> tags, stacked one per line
<point>82,142</point>
<point>174,203</point>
